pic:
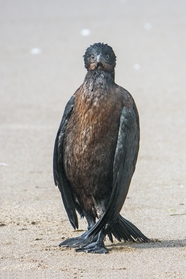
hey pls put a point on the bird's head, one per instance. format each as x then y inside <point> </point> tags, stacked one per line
<point>100,56</point>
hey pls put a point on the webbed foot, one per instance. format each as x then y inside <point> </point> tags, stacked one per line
<point>77,241</point>
<point>72,242</point>
<point>95,247</point>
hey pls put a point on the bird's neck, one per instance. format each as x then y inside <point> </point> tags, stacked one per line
<point>98,82</point>
<point>98,75</point>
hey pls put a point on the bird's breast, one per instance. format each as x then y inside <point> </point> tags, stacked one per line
<point>90,140</point>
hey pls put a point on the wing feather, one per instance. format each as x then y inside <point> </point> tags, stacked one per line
<point>60,178</point>
<point>123,168</point>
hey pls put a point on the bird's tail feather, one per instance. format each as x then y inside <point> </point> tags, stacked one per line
<point>125,230</point>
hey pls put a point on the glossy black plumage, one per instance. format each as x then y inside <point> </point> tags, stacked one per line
<point>95,154</point>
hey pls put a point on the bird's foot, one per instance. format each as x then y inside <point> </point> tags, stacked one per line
<point>76,241</point>
<point>94,247</point>
<point>86,243</point>
<point>71,242</point>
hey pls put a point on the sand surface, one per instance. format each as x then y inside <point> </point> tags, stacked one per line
<point>41,65</point>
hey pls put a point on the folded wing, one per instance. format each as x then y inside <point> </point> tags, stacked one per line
<point>60,178</point>
<point>123,168</point>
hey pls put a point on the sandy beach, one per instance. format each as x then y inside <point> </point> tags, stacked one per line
<point>41,65</point>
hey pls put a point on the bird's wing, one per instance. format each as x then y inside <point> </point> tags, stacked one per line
<point>123,168</point>
<point>58,166</point>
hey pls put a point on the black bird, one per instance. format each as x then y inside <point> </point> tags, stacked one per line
<point>95,154</point>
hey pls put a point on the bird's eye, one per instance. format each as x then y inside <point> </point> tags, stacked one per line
<point>92,56</point>
<point>107,56</point>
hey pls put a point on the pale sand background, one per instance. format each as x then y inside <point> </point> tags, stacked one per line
<point>149,38</point>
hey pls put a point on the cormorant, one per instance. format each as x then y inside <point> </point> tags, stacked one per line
<point>95,154</point>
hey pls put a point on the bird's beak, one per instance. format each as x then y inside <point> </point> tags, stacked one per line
<point>99,58</point>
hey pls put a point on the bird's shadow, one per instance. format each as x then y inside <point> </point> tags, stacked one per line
<point>153,243</point>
